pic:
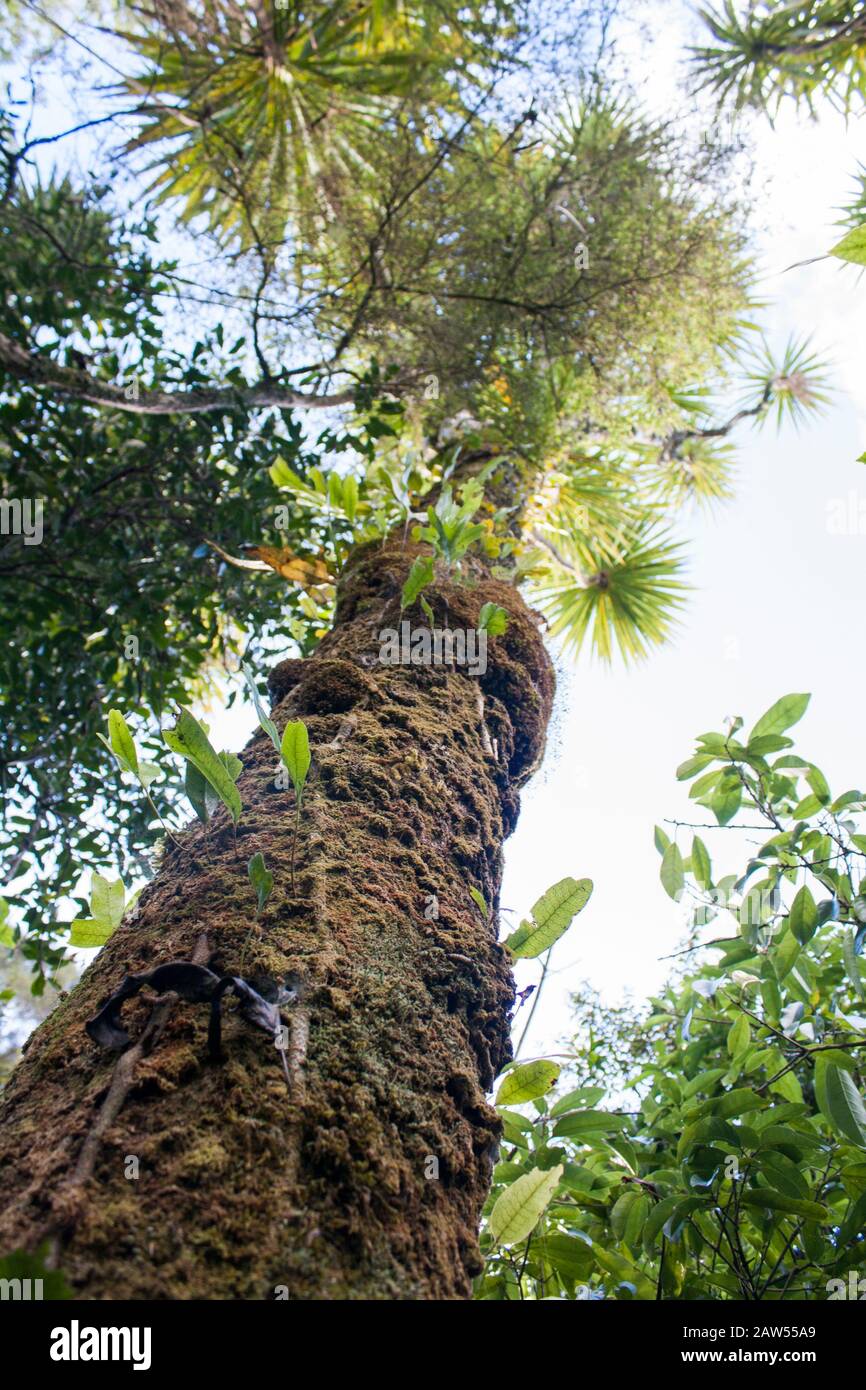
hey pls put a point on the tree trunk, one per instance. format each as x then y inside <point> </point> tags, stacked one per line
<point>363,1173</point>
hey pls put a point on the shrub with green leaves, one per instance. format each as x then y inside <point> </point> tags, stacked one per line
<point>728,1160</point>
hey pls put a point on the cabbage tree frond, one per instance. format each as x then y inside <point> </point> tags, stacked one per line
<point>791,387</point>
<point>624,596</point>
<point>764,53</point>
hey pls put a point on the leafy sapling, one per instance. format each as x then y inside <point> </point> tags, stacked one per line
<point>263,882</point>
<point>217,772</point>
<point>451,530</point>
<point>261,879</point>
<point>550,919</point>
<point>492,619</point>
<point>295,753</point>
<point>420,575</point>
<point>480,902</point>
<point>121,744</point>
<point>265,721</point>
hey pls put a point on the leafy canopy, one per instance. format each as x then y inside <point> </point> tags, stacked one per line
<point>711,1145</point>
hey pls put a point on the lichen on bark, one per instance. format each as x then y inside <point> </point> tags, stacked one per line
<point>366,1178</point>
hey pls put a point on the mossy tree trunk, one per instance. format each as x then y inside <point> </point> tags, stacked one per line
<point>366,1176</point>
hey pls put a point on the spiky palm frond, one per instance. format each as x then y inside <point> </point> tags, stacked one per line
<point>854,210</point>
<point>624,597</point>
<point>700,471</point>
<point>793,388</point>
<point>583,493</point>
<point>766,52</point>
<point>259,112</point>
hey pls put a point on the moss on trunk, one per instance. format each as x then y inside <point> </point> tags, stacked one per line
<point>367,1177</point>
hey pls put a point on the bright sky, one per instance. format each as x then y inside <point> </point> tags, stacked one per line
<point>775,608</point>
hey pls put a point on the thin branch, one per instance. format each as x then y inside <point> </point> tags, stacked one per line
<point>40,370</point>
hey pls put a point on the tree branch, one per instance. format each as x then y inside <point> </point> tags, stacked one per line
<point>40,370</point>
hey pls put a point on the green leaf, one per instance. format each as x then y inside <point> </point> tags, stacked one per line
<point>350,496</point>
<point>295,753</point>
<point>189,739</point>
<point>701,865</point>
<point>265,721</point>
<point>739,1036</point>
<point>480,901</point>
<point>693,765</point>
<point>784,955</point>
<point>569,1255</point>
<point>517,1210</point>
<point>107,899</point>
<point>196,789</point>
<point>852,965</point>
<point>6,936</point>
<point>260,878</point>
<point>803,917</point>
<point>781,716</point>
<point>492,619</point>
<point>624,1271</point>
<point>552,915</point>
<point>121,743</point>
<point>579,1123</point>
<point>855,1222</point>
<point>420,575</point>
<point>527,1082</point>
<point>106,904</point>
<point>668,1214</point>
<point>232,764</point>
<point>89,932</point>
<point>671,873</point>
<point>840,1102</point>
<point>852,247</point>
<point>779,1201</point>
<point>585,1095</point>
<point>148,773</point>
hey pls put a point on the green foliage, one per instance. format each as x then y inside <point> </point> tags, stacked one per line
<point>792,388</point>
<point>107,906</point>
<point>295,753</point>
<point>517,1210</point>
<point>261,879</point>
<point>6,936</point>
<point>23,1264</point>
<point>292,95</point>
<point>769,52</point>
<point>480,901</point>
<point>627,596</point>
<point>219,771</point>
<point>431,266</point>
<point>527,1082</point>
<point>450,529</point>
<point>492,619</point>
<point>551,917</point>
<point>265,720</point>
<point>730,1160</point>
<point>420,575</point>
<point>852,247</point>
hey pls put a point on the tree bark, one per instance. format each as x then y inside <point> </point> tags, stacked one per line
<point>365,1175</point>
